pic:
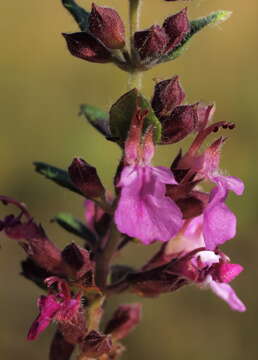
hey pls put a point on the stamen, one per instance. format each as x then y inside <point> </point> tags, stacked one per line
<point>202,135</point>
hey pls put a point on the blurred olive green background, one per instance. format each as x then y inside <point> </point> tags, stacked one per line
<point>41,88</point>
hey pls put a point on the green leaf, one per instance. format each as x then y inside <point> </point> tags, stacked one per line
<point>196,25</point>
<point>98,118</point>
<point>80,15</point>
<point>76,227</point>
<point>123,110</point>
<point>57,175</point>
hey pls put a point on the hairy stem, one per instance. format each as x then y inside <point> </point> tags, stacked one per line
<point>135,76</point>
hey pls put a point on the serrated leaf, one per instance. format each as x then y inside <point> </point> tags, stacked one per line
<point>122,112</point>
<point>196,25</point>
<point>98,118</point>
<point>59,176</point>
<point>76,227</point>
<point>80,15</point>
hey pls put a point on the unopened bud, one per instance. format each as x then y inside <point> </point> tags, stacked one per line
<point>168,94</point>
<point>124,320</point>
<point>106,25</point>
<point>86,47</point>
<point>85,178</point>
<point>176,27</point>
<point>179,124</point>
<point>150,43</point>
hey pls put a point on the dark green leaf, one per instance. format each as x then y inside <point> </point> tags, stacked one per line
<point>57,175</point>
<point>76,227</point>
<point>97,118</point>
<point>123,110</point>
<point>80,15</point>
<point>196,25</point>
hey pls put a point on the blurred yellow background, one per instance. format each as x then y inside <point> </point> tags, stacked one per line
<point>41,88</point>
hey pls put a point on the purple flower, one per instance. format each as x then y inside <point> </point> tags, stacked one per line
<point>219,222</point>
<point>61,307</point>
<point>144,211</point>
<point>207,269</point>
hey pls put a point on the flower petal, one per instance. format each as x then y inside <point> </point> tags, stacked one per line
<point>143,211</point>
<point>226,293</point>
<point>48,307</point>
<point>219,225</point>
<point>231,183</point>
<point>227,272</point>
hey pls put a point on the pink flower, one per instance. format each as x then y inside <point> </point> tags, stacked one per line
<point>219,222</point>
<point>207,269</point>
<point>61,307</point>
<point>144,211</point>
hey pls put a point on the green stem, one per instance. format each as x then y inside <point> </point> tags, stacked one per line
<point>134,16</point>
<point>104,258</point>
<point>135,80</point>
<point>135,76</point>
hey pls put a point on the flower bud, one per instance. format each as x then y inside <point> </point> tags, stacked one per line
<point>179,124</point>
<point>77,260</point>
<point>106,25</point>
<point>86,47</point>
<point>176,27</point>
<point>168,94</point>
<point>85,178</point>
<point>124,320</point>
<point>150,43</point>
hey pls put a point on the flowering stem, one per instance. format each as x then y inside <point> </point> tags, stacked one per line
<point>104,258</point>
<point>135,76</point>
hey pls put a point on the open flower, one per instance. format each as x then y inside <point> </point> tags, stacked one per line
<point>144,211</point>
<point>185,260</point>
<point>219,222</point>
<point>207,269</point>
<point>63,308</point>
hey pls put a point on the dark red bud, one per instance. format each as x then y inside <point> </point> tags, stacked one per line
<point>176,26</point>
<point>85,178</point>
<point>168,94</point>
<point>179,124</point>
<point>150,43</point>
<point>77,260</point>
<point>106,25</point>
<point>86,47</point>
<point>96,344</point>
<point>124,320</point>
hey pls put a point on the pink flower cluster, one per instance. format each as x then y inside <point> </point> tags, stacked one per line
<point>182,206</point>
<point>169,205</point>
